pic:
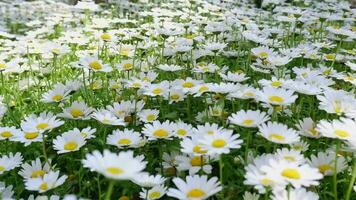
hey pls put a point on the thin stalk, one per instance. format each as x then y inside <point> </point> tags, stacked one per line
<point>335,171</point>
<point>352,182</point>
<point>110,189</point>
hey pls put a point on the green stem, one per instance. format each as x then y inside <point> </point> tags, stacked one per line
<point>110,189</point>
<point>352,181</point>
<point>44,150</point>
<point>335,171</point>
<point>221,166</point>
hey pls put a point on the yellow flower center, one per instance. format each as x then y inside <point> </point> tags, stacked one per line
<point>197,161</point>
<point>151,117</point>
<point>157,91</point>
<point>218,143</point>
<point>291,173</point>
<point>249,94</point>
<point>313,131</point>
<point>2,168</point>
<point>203,88</point>
<point>181,132</point>
<point>31,135</point>
<point>44,186</point>
<point>124,52</point>
<point>105,36</point>
<point>124,141</point>
<point>160,133</point>
<point>263,54</point>
<point>2,66</point>
<point>42,125</point>
<point>199,150</point>
<point>136,85</point>
<point>247,122</point>
<point>276,136</point>
<point>337,107</point>
<point>276,99</point>
<point>196,193</point>
<point>114,170</point>
<point>70,146</point>
<point>6,134</point>
<point>124,198</point>
<point>276,83</point>
<point>289,158</point>
<point>175,97</point>
<point>154,195</point>
<point>324,168</point>
<point>266,181</point>
<point>76,113</point>
<point>341,133</point>
<point>330,56</point>
<point>38,173</point>
<point>188,85</point>
<point>96,65</point>
<point>127,66</point>
<point>56,51</point>
<point>57,97</point>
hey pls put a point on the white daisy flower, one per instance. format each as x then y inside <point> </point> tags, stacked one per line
<point>47,182</point>
<point>278,133</point>
<point>195,187</point>
<point>122,166</point>
<point>249,118</point>
<point>125,139</point>
<point>10,162</point>
<point>78,110</point>
<point>68,142</point>
<point>35,169</point>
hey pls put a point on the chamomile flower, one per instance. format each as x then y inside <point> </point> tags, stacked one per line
<point>6,192</point>
<point>125,139</point>
<point>195,187</point>
<point>87,133</point>
<point>107,117</point>
<point>192,146</point>
<point>290,155</point>
<point>28,136</point>
<point>341,129</point>
<point>34,169</point>
<point>10,162</point>
<point>95,64</point>
<point>249,118</point>
<point>259,179</point>
<point>154,193</point>
<point>78,110</point>
<point>57,94</point>
<point>325,162</point>
<point>182,129</point>
<point>193,163</point>
<point>294,194</point>
<point>47,182</point>
<point>9,132</point>
<point>175,95</point>
<point>122,166</point>
<point>158,130</point>
<point>146,180</point>
<point>220,143</point>
<point>159,89</point>
<point>276,96</point>
<point>293,173</point>
<point>125,65</point>
<point>148,115</point>
<point>278,133</point>
<point>307,127</point>
<point>68,142</point>
<point>46,121</point>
